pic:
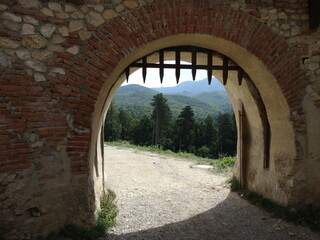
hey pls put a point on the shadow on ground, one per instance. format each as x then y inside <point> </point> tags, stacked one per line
<point>234,218</point>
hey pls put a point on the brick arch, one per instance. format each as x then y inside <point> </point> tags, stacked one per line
<point>127,36</point>
<point>124,34</point>
<point>127,33</point>
<point>103,57</point>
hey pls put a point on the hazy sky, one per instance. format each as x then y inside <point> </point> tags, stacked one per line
<point>169,79</point>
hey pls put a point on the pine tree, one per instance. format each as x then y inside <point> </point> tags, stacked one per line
<point>142,133</point>
<point>226,134</point>
<point>161,116</point>
<point>185,129</point>
<point>125,121</point>
<point>210,136</point>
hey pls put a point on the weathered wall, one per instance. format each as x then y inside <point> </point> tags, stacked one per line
<point>61,61</point>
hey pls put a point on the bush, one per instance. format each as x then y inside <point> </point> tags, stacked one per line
<point>204,151</point>
<point>227,162</point>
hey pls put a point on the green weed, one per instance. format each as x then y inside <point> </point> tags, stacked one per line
<point>108,212</point>
<point>105,220</point>
<point>234,184</point>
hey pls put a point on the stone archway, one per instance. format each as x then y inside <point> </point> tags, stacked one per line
<point>53,107</point>
<point>278,113</point>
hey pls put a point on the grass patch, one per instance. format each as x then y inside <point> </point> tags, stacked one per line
<point>106,219</point>
<point>221,165</point>
<point>224,164</point>
<point>153,149</point>
<point>234,184</point>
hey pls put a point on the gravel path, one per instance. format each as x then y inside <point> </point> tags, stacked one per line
<point>160,197</point>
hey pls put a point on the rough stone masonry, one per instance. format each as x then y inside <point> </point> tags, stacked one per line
<point>58,57</point>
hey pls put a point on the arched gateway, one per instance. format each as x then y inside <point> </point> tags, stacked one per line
<point>62,61</point>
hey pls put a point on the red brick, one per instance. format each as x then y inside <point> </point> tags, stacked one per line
<point>75,41</point>
<point>13,168</point>
<point>94,45</point>
<point>77,149</point>
<point>4,33</point>
<point>42,18</point>
<point>92,73</point>
<point>23,11</point>
<point>66,56</point>
<point>78,144</point>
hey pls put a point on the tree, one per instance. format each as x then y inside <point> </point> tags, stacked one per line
<point>142,133</point>
<point>199,135</point>
<point>210,136</point>
<point>112,128</point>
<point>226,134</point>
<point>161,116</point>
<point>185,129</point>
<point>125,121</point>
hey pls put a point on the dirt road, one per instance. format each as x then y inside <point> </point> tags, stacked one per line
<point>160,197</point>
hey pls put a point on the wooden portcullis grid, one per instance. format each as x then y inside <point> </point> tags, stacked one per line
<point>228,64</point>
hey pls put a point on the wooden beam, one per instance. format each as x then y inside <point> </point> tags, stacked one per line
<point>177,65</point>
<point>185,66</point>
<point>209,70</point>
<point>242,146</point>
<point>267,139</point>
<point>225,70</point>
<point>240,77</point>
<point>194,64</point>
<point>144,69</point>
<point>161,65</point>
<point>127,72</point>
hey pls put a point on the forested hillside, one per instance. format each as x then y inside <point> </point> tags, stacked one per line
<point>135,100</point>
<point>196,122</point>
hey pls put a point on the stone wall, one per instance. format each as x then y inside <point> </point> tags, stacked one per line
<point>56,56</point>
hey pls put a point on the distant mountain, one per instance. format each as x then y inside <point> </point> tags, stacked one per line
<point>135,99</point>
<point>135,88</point>
<point>193,87</point>
<point>219,98</point>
